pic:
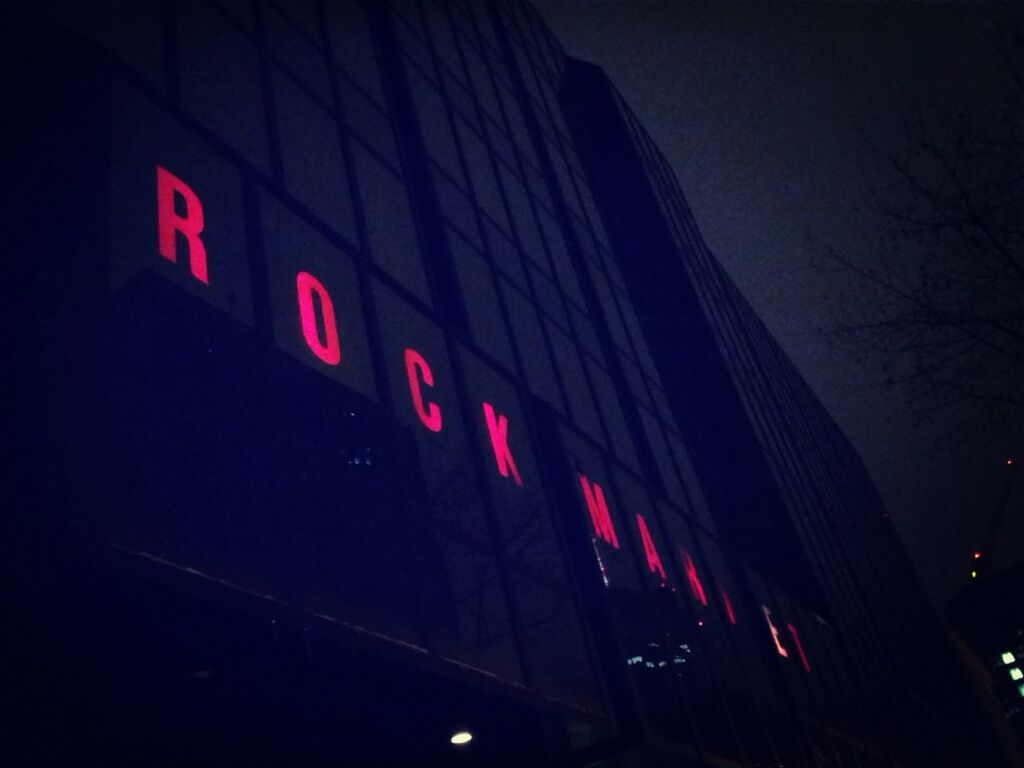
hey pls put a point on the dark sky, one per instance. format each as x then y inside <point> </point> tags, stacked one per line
<point>773,116</point>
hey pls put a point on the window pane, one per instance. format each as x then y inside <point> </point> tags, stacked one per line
<point>394,246</point>
<point>481,300</point>
<point>318,319</point>
<point>314,166</point>
<point>220,81</point>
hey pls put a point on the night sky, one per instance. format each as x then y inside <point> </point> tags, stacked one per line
<point>774,117</point>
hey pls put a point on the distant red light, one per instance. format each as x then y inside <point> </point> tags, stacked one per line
<point>1009,461</point>
<point>977,555</point>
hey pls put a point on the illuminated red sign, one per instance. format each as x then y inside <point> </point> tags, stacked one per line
<point>419,374</point>
<point>327,348</point>
<point>497,429</point>
<point>170,188</point>
<point>694,580</point>
<point>593,495</point>
<point>308,265</point>
<point>650,551</point>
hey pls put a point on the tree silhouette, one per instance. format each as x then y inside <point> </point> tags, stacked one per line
<point>942,296</point>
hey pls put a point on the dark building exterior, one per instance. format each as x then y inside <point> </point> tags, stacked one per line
<point>369,381</point>
<point>987,621</point>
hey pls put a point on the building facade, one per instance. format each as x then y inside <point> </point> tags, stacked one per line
<point>370,382</point>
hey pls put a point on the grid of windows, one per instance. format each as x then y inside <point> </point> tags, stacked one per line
<point>377,160</point>
<point>791,425</point>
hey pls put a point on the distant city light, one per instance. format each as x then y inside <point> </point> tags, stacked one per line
<point>462,737</point>
<point>1009,461</point>
<point>974,574</point>
<point>1016,674</point>
<point>1008,658</point>
<point>977,555</point>
<point>1020,690</point>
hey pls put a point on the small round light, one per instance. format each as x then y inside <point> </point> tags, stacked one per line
<point>462,737</point>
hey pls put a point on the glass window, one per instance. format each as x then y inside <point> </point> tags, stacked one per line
<point>220,81</point>
<point>516,127</point>
<point>683,602</point>
<point>577,389</point>
<point>411,38</point>
<point>314,166</point>
<point>639,340</point>
<point>662,408</point>
<point>478,160</point>
<point>526,225</point>
<point>433,120</point>
<point>663,457</point>
<point>529,338</point>
<point>548,297</point>
<point>423,390</point>
<point>389,223</point>
<point>553,637</point>
<point>468,617</point>
<point>506,255</point>
<point>297,53</point>
<point>642,643</point>
<point>153,151</point>
<point>609,308</point>
<point>555,647</point>
<point>564,269</point>
<point>680,646</point>
<point>368,122</point>
<point>301,12</point>
<point>457,207</point>
<point>463,107</point>
<point>353,47</point>
<point>481,83</point>
<point>444,40</point>
<point>502,433</point>
<point>347,521</point>
<point>483,23</point>
<point>585,332</point>
<point>314,299</point>
<point>637,385</point>
<point>696,495</point>
<point>130,31</point>
<point>608,401</point>
<point>481,299</point>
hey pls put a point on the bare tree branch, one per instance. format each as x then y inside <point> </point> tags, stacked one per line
<point>942,295</point>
